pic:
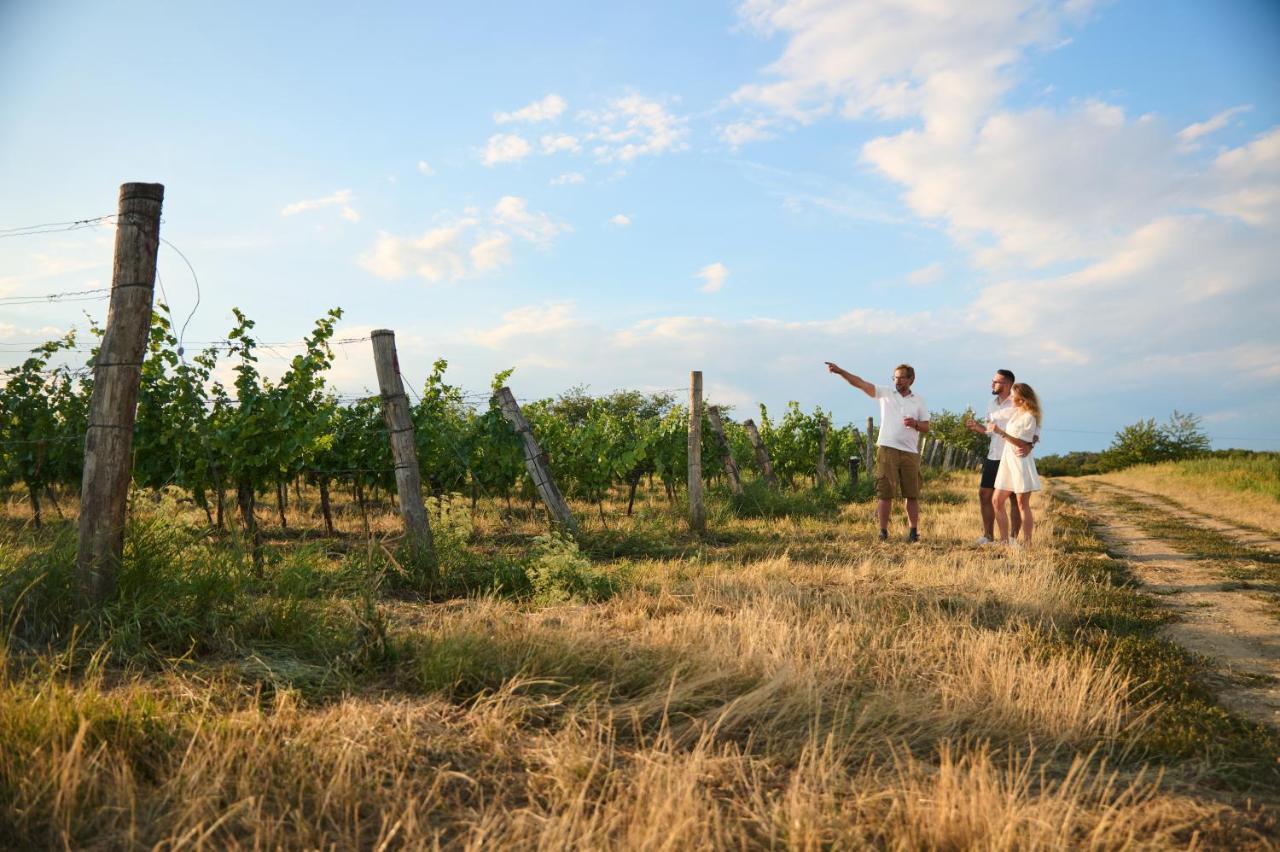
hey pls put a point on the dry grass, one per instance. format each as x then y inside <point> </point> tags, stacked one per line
<point>794,686</point>
<point>1208,490</point>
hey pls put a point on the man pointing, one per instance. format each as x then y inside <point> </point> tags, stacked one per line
<point>904,417</point>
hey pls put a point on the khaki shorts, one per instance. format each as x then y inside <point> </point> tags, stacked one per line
<point>897,474</point>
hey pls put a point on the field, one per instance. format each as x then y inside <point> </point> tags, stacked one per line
<point>782,682</point>
<point>1243,490</point>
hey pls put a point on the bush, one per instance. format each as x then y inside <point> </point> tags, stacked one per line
<point>559,573</point>
<point>1146,442</point>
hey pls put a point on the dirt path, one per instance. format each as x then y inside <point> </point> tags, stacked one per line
<point>1217,618</point>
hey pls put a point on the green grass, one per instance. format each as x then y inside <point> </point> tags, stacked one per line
<point>1256,473</point>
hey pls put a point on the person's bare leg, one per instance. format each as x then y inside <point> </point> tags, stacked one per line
<point>1002,520</point>
<point>913,512</point>
<point>988,513</point>
<point>1028,520</point>
<point>882,512</point>
<point>1015,518</point>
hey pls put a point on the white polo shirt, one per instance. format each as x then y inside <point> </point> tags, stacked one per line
<point>893,407</point>
<point>1002,411</point>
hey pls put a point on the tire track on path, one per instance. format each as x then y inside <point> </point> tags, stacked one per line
<point>1217,619</point>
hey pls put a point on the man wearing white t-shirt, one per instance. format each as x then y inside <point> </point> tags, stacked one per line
<point>904,417</point>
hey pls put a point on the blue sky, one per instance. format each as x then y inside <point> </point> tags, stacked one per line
<point>1087,193</point>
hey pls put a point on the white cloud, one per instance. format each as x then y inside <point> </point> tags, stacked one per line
<point>622,220</point>
<point>562,142</point>
<point>926,275</point>
<point>1245,181</point>
<point>341,198</point>
<point>1039,187</point>
<point>547,109</point>
<point>512,212</point>
<point>713,276</point>
<point>528,321</point>
<point>424,168</point>
<point>739,133</point>
<point>505,148</point>
<point>891,59</point>
<point>464,246</point>
<point>1179,281</point>
<point>491,252</point>
<point>1192,133</point>
<point>568,178</point>
<point>437,255</point>
<point>634,126</point>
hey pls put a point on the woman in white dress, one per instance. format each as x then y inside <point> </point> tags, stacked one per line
<point>1017,474</point>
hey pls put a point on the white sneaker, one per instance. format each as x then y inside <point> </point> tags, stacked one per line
<point>982,539</point>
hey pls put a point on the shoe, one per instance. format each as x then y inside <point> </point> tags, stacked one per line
<point>983,540</point>
<point>913,537</point>
<point>884,535</point>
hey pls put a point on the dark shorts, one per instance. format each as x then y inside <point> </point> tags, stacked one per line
<point>990,467</point>
<point>897,474</point>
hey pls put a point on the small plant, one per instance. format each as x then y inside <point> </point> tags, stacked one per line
<point>559,572</point>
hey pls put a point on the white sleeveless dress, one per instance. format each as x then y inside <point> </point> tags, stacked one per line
<point>1018,474</point>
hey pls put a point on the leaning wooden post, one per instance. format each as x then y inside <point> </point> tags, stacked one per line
<point>535,461</point>
<point>117,370</point>
<point>730,466</point>
<point>868,449</point>
<point>762,454</point>
<point>404,451</point>
<point>697,510</point>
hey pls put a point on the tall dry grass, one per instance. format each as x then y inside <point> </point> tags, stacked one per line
<point>736,697</point>
<point>1236,490</point>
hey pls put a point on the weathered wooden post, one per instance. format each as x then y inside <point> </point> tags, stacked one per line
<point>853,471</point>
<point>868,449</point>
<point>113,408</point>
<point>822,473</point>
<point>948,460</point>
<point>762,454</point>
<point>730,466</point>
<point>697,510</point>
<point>404,452</point>
<point>535,461</point>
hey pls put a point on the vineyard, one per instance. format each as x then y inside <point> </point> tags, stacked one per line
<point>228,447</point>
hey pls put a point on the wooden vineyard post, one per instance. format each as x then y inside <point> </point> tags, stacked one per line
<point>535,461</point>
<point>823,473</point>
<point>404,451</point>
<point>949,459</point>
<point>113,408</point>
<point>853,471</point>
<point>730,466</point>
<point>697,510</point>
<point>762,454</point>
<point>868,450</point>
